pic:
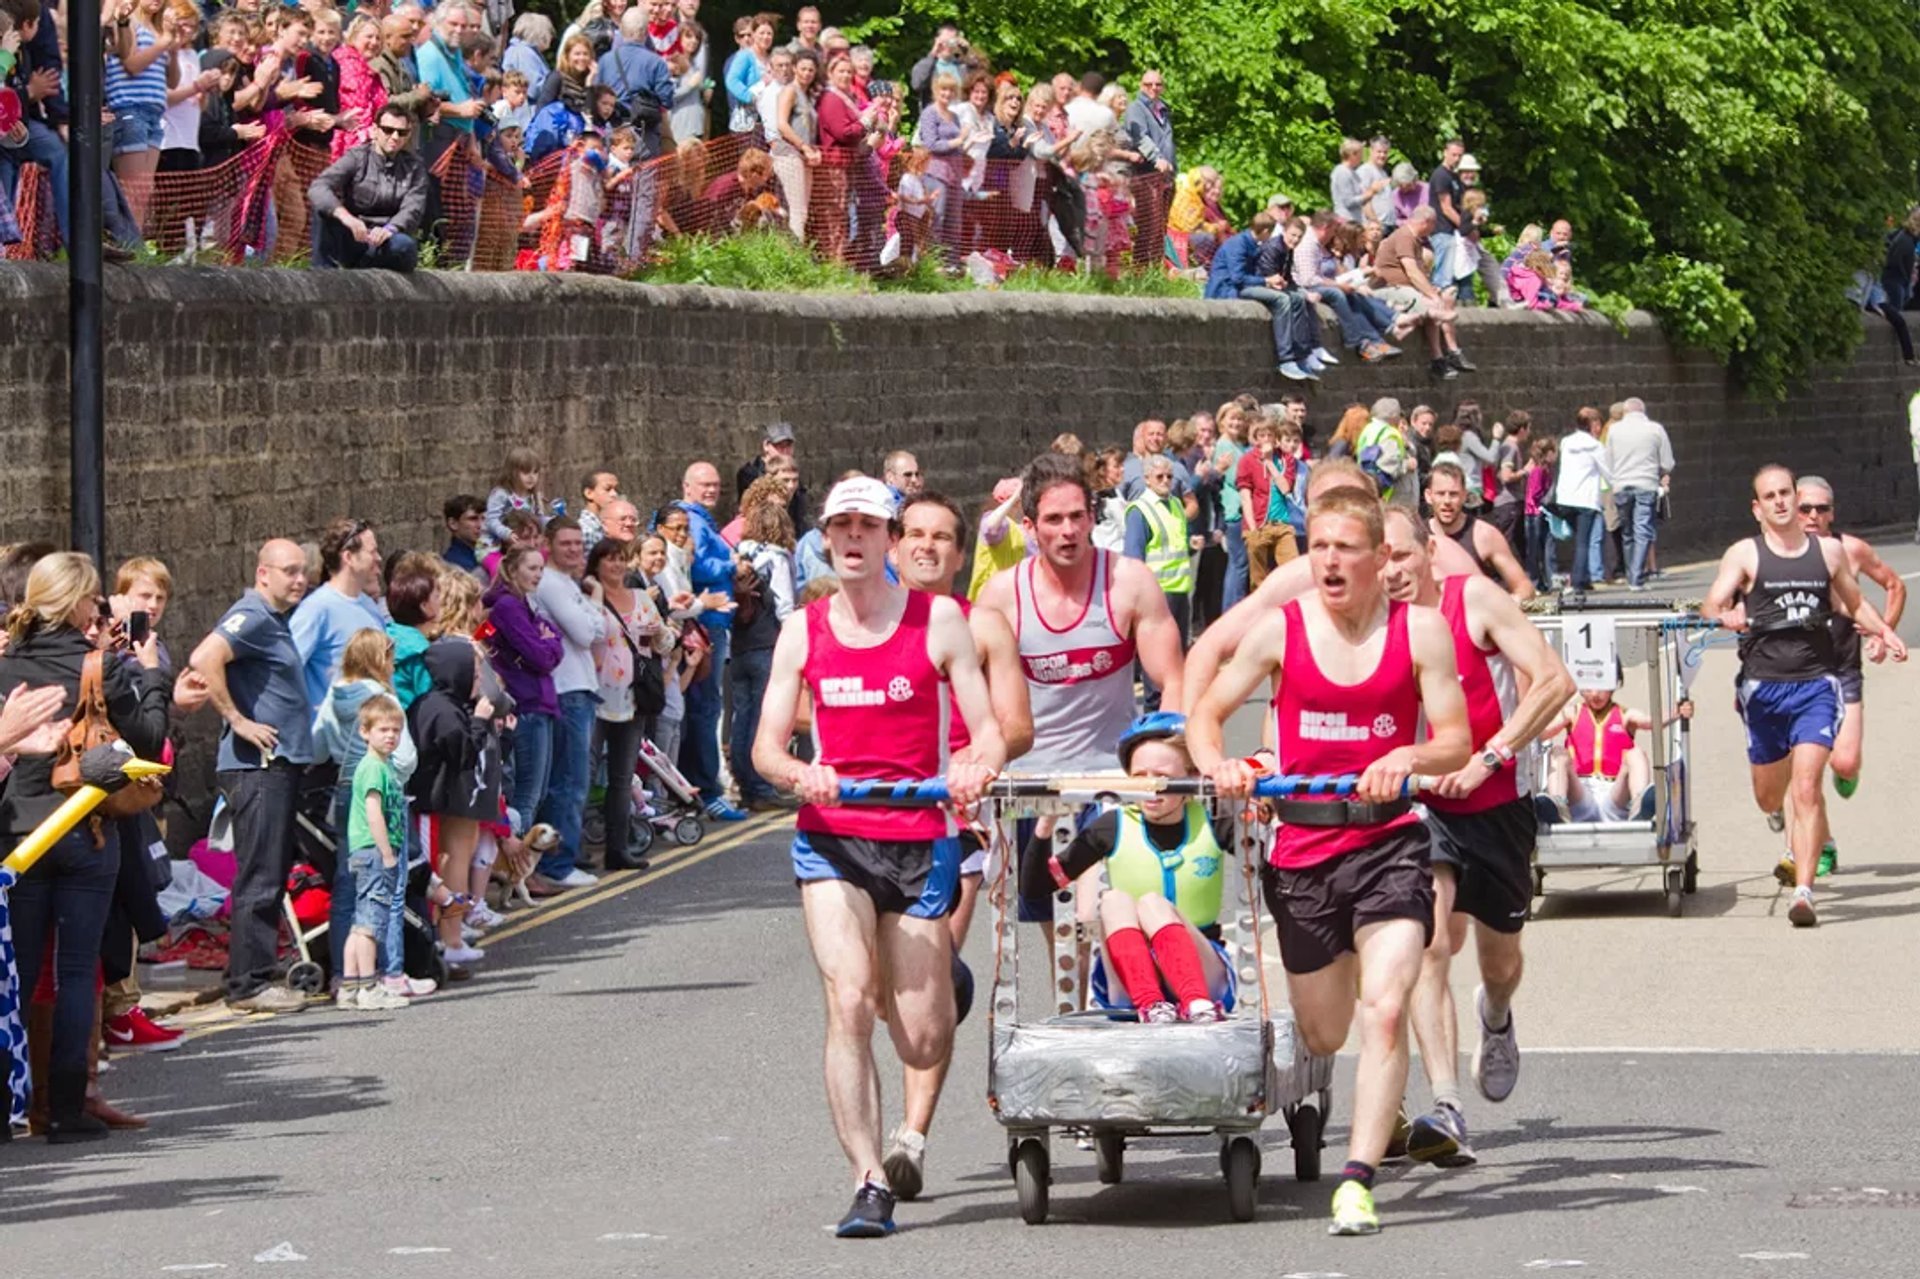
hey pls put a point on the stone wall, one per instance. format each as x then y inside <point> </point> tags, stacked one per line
<point>243,404</point>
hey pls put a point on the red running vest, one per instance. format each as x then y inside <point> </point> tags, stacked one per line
<point>878,714</point>
<point>1487,681</point>
<point>1329,728</point>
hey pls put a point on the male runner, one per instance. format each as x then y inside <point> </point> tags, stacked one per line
<point>1080,616</point>
<point>1788,692</point>
<point>1482,825</point>
<point>1349,883</point>
<point>1815,498</point>
<point>928,557</point>
<point>1289,581</point>
<point>1489,549</point>
<point>876,883</point>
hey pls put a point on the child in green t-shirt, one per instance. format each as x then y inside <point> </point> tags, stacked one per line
<point>374,813</point>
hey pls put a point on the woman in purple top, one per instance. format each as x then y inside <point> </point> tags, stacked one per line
<point>525,648</point>
<point>942,132</point>
<point>1409,192</point>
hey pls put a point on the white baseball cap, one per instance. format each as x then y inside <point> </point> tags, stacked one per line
<point>859,495</point>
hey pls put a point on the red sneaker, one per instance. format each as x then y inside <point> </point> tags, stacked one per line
<point>135,1032</point>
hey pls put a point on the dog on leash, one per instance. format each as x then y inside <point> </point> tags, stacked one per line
<point>519,858</point>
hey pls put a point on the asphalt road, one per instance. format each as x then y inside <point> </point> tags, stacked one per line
<point>631,1086</point>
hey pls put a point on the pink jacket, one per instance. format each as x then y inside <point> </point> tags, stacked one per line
<point>360,90</point>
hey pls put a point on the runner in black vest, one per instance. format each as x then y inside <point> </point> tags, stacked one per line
<point>1789,693</point>
<point>1483,543</point>
<point>1815,498</point>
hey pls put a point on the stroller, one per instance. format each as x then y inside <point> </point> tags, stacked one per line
<point>309,888</point>
<point>677,814</point>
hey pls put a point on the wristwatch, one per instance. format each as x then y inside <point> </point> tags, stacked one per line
<point>1492,759</point>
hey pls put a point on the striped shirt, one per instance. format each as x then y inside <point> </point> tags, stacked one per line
<point>148,90</point>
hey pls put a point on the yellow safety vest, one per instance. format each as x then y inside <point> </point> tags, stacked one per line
<point>1167,553</point>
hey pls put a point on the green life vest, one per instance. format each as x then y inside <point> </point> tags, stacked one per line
<point>1190,876</point>
<point>1167,552</point>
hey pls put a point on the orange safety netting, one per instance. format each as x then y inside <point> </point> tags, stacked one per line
<point>570,212</point>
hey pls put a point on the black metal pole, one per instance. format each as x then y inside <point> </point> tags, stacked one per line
<point>86,326</point>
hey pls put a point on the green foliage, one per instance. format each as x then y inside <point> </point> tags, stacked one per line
<point>1132,284</point>
<point>1729,164</point>
<point>924,276</point>
<point>769,261</point>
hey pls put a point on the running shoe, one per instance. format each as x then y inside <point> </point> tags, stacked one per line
<point>1374,352</point>
<point>135,1032</point>
<point>1353,1212</point>
<point>1291,370</point>
<point>1496,1062</point>
<point>1846,785</point>
<point>1204,1010</point>
<point>1800,914</point>
<point>577,878</point>
<point>720,811</point>
<point>378,999</point>
<point>906,1162</point>
<point>1785,873</point>
<point>871,1216</point>
<point>463,954</point>
<point>1325,356</point>
<point>1440,1138</point>
<point>1402,1132</point>
<point>411,987</point>
<point>1777,821</point>
<point>1160,1014</point>
<point>1829,860</point>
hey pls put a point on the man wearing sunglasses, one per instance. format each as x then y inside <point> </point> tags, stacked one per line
<point>367,205</point>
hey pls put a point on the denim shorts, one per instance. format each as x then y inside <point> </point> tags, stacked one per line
<point>372,892</point>
<point>136,129</point>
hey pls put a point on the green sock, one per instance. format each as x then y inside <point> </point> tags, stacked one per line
<point>1846,785</point>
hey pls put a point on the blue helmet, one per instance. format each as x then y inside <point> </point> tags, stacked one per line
<point>1155,727</point>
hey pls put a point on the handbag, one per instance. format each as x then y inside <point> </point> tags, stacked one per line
<point>91,728</point>
<point>649,680</point>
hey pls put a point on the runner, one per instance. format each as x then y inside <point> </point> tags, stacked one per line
<point>1349,882</point>
<point>1080,616</point>
<point>1815,497</point>
<point>876,884</point>
<point>1484,544</point>
<point>928,557</point>
<point>1289,581</point>
<point>1482,826</point>
<point>1788,692</point>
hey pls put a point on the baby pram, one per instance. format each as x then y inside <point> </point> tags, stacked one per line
<point>674,812</point>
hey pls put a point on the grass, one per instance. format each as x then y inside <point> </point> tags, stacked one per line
<point>1132,284</point>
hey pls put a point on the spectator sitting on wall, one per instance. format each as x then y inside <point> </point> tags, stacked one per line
<point>367,205</point>
<point>1364,319</point>
<point>1403,285</point>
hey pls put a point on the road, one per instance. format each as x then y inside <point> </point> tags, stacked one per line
<point>631,1087</point>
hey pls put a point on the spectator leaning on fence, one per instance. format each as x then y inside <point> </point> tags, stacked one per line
<point>367,205</point>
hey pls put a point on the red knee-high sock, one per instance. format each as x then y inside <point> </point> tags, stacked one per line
<point>1132,963</point>
<point>1179,961</point>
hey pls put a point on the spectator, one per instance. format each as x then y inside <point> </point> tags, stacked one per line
<point>1086,114</point>
<point>1560,240</point>
<point>368,204</point>
<point>940,60</point>
<point>901,470</point>
<point>1280,205</point>
<point>140,71</point>
<point>629,625</point>
<point>1157,535</point>
<point>525,648</point>
<point>1347,185</point>
<point>622,521</point>
<point>330,614</point>
<point>682,210</point>
<point>766,94</point>
<point>1479,455</point>
<point>1227,452</point>
<point>650,564</point>
<point>414,600</point>
<point>393,66</point>
<point>567,102</point>
<point>764,590</point>
<point>1420,425</point>
<point>1268,480</point>
<point>687,121</point>
<point>527,51</point>
<point>776,441</point>
<point>361,92</point>
<point>39,79</point>
<point>796,135</point>
<point>640,78</point>
<point>1236,273</point>
<point>571,602</point>
<point>516,489</point>
<point>1364,319</point>
<point>1510,487</point>
<point>441,68</point>
<point>1382,451</point>
<point>1196,215</point>
<point>61,905</point>
<point>188,85</point>
<point>456,732</point>
<point>1052,139</point>
<point>1583,472</point>
<point>749,64</point>
<point>1376,185</point>
<point>1640,468</point>
<point>514,108</point>
<point>221,137</point>
<point>1542,460</point>
<point>851,172</point>
<point>1149,442</point>
<point>466,521</point>
<point>943,134</point>
<point>1404,286</point>
<point>314,64</point>
<point>1302,357</point>
<point>254,671</point>
<point>1409,194</point>
<point>600,24</point>
<point>1444,193</point>
<point>731,193</point>
<point>710,572</point>
<point>1149,125</point>
<point>597,490</point>
<point>806,25</point>
<point>1896,279</point>
<point>1345,441</point>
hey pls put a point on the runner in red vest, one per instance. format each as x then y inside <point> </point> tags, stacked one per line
<point>1349,883</point>
<point>1482,824</point>
<point>928,558</point>
<point>876,884</point>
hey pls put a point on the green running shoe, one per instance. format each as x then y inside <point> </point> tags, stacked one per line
<point>1353,1212</point>
<point>1829,860</point>
<point>1846,785</point>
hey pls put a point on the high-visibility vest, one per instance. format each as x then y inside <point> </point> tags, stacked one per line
<point>1167,553</point>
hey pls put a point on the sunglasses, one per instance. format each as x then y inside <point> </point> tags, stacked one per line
<point>1816,508</point>
<point>393,132</point>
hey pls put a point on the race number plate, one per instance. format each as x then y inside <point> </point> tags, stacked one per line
<point>1589,645</point>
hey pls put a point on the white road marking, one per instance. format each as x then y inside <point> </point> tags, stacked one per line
<point>280,1252</point>
<point>1551,1263</point>
<point>638,1234</point>
<point>196,1265</point>
<point>1681,1190</point>
<point>1775,1256</point>
<point>405,1251</point>
<point>1314,1274</point>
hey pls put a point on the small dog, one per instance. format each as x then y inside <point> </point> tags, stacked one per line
<point>519,858</point>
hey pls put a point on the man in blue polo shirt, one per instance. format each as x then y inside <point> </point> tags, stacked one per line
<point>330,614</point>
<point>254,679</point>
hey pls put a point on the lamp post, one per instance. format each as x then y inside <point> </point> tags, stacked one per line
<point>85,333</point>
